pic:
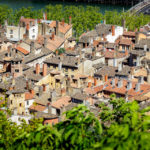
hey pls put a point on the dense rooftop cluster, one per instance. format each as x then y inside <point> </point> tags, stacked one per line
<point>45,71</point>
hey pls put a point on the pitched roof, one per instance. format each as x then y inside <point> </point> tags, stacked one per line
<point>80,96</point>
<point>62,28</point>
<point>129,33</point>
<point>22,50</point>
<point>106,70</point>
<point>37,107</point>
<point>144,88</point>
<point>111,54</point>
<point>61,102</point>
<point>51,44</point>
<point>125,42</point>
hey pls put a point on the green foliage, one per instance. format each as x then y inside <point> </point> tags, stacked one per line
<point>122,126</point>
<point>83,18</point>
<point>60,51</point>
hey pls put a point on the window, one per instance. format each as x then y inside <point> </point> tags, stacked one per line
<point>11,31</point>
<point>11,36</point>
<point>33,30</point>
<point>27,102</point>
<point>16,70</point>
<point>20,104</point>
<point>33,36</point>
<point>72,69</point>
<point>11,102</point>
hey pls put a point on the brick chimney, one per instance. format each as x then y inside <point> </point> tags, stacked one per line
<point>89,84</point>
<point>53,36</point>
<point>44,88</point>
<point>70,20</point>
<point>44,70</point>
<point>95,82</point>
<point>106,78</point>
<point>63,22</point>
<point>113,30</point>
<point>27,85</point>
<point>32,92</point>
<point>37,68</point>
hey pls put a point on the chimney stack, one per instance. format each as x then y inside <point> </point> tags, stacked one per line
<point>113,30</point>
<point>106,78</point>
<point>137,87</point>
<point>113,82</point>
<point>37,68</point>
<point>70,20</point>
<point>27,85</point>
<point>32,48</point>
<point>53,36</point>
<point>57,26</point>
<point>44,70</point>
<point>89,84</point>
<point>120,83</point>
<point>148,76</point>
<point>63,22</point>
<point>120,67</point>
<point>145,48</point>
<point>129,85</point>
<point>44,88</point>
<point>95,82</point>
<point>45,42</point>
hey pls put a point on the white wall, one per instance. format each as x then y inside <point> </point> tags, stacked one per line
<point>118,32</point>
<point>33,32</point>
<point>31,101</point>
<point>17,33</point>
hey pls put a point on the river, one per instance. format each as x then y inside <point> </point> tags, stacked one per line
<point>38,4</point>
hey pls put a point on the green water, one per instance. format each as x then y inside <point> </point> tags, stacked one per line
<point>38,4</point>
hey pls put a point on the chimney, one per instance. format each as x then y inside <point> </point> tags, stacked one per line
<point>129,85</point>
<point>148,76</point>
<point>106,78</point>
<point>120,83</point>
<point>44,16</point>
<point>44,70</point>
<point>27,27</point>
<point>113,82</point>
<point>27,85</point>
<point>60,66</point>
<point>53,36</point>
<point>57,26</point>
<point>104,21</point>
<point>95,82</point>
<point>44,88</point>
<point>45,42</point>
<point>49,108</point>
<point>138,61</point>
<point>137,87</point>
<point>32,91</point>
<point>70,20</point>
<point>63,22</point>
<point>145,48</point>
<point>120,66</point>
<point>114,62</point>
<point>89,84</point>
<point>141,79</point>
<point>32,48</point>
<point>113,30</point>
<point>37,68</point>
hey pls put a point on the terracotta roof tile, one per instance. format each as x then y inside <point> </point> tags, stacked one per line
<point>125,42</point>
<point>110,54</point>
<point>62,28</point>
<point>37,107</point>
<point>129,33</point>
<point>63,101</point>
<point>22,50</point>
